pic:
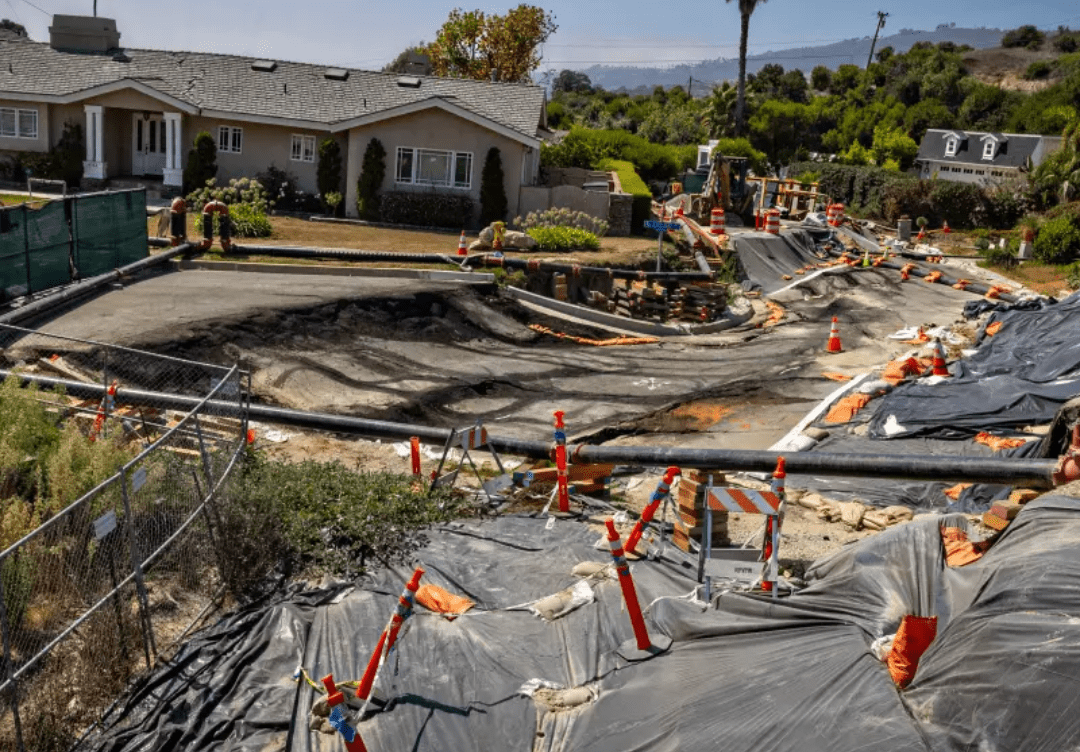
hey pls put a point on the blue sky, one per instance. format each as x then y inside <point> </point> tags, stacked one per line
<point>369,33</point>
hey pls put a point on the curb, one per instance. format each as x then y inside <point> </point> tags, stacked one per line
<point>633,325</point>
<point>434,275</point>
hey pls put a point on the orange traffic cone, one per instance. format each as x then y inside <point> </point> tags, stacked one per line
<point>833,345</point>
<point>462,247</point>
<point>922,234</point>
<point>945,227</point>
<point>940,369</point>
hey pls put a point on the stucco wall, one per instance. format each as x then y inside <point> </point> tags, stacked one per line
<point>263,146</point>
<point>41,143</point>
<point>437,129</point>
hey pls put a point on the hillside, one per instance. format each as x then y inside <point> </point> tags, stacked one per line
<point>805,58</point>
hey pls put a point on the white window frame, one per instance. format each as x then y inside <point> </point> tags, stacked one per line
<point>988,149</point>
<point>416,153</point>
<point>230,139</point>
<point>19,117</point>
<point>302,148</point>
<point>950,147</point>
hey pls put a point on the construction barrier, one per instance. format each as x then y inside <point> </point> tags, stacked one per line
<point>747,501</point>
<point>717,222</point>
<point>560,462</point>
<point>626,582</point>
<point>772,222</point>
<point>70,239</point>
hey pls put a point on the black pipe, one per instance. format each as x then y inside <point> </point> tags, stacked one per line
<point>79,289</point>
<point>485,259</point>
<point>1035,473</point>
<point>344,254</point>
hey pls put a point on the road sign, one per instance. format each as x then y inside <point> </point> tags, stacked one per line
<point>662,226</point>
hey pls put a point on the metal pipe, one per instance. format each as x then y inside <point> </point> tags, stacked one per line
<point>703,263</point>
<point>1035,473</point>
<point>79,289</point>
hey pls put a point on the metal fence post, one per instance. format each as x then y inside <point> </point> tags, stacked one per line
<point>26,248</point>
<point>6,637</point>
<point>140,584</point>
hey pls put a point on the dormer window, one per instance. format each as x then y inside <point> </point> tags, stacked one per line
<point>988,148</point>
<point>950,146</point>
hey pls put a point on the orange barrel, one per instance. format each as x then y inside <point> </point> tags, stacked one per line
<point>717,224</point>
<point>772,221</point>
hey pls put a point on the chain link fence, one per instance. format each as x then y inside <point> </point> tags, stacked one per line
<point>77,237</point>
<point>98,584</point>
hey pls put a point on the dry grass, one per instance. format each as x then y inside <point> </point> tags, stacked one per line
<point>302,232</point>
<point>1042,278</point>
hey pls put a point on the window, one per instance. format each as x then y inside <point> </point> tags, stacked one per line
<point>988,149</point>
<point>967,172</point>
<point>950,147</point>
<point>303,148</point>
<point>230,139</point>
<point>431,167</point>
<point>18,123</point>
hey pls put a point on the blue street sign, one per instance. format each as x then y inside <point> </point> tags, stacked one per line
<point>662,226</point>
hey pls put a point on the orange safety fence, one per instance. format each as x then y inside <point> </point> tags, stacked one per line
<point>911,641</point>
<point>435,598</point>
<point>613,342</point>
<point>836,376</point>
<point>932,277</point>
<point>959,551</point>
<point>954,491</point>
<point>898,370</point>
<point>994,328</point>
<point>847,408</point>
<point>998,443</point>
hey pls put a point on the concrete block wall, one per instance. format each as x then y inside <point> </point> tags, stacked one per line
<point>690,524</point>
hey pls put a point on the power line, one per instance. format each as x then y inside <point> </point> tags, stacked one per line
<point>40,10</point>
<point>14,12</point>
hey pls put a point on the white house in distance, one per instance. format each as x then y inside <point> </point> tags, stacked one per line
<point>140,110</point>
<point>984,158</point>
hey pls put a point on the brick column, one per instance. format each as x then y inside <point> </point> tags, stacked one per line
<point>691,508</point>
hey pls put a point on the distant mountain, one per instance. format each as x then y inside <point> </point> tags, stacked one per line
<point>832,56</point>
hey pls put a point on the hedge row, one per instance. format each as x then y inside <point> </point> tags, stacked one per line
<point>641,207</point>
<point>426,209</point>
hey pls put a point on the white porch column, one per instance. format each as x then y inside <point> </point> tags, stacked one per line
<point>174,167</point>
<point>95,167</point>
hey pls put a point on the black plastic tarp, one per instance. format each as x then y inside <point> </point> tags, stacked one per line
<point>765,259</point>
<point>1020,376</point>
<point>752,673</point>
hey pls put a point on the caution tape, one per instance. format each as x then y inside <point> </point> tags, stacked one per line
<point>614,342</point>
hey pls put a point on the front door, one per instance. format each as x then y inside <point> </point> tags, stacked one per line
<point>148,145</point>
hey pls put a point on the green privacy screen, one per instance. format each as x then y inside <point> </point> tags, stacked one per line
<point>64,241</point>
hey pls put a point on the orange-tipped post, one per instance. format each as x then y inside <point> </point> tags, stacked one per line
<point>940,368</point>
<point>334,698</point>
<point>663,488</point>
<point>389,635</point>
<point>560,462</point>
<point>414,446</point>
<point>833,344</point>
<point>637,621</point>
<point>779,476</point>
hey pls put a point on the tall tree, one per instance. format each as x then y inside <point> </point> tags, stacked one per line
<point>472,44</point>
<point>746,9</point>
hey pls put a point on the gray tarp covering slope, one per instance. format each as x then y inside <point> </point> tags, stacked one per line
<point>1019,377</point>
<point>752,674</point>
<point>765,258</point>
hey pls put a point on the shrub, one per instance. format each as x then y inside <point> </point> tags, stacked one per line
<point>1058,241</point>
<point>641,208</point>
<point>960,204</point>
<point>492,189</point>
<point>1073,277</point>
<point>430,209</point>
<point>368,185</point>
<point>1067,41</point>
<point>328,173</point>
<point>1004,258</point>
<point>247,202</point>
<point>1025,36</point>
<point>562,239</point>
<point>1038,69</point>
<point>563,217</point>
<point>201,162</point>
<point>282,191</point>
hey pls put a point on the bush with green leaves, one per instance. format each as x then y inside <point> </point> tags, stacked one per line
<point>324,517</point>
<point>1027,36</point>
<point>492,189</point>
<point>328,173</point>
<point>1058,241</point>
<point>631,182</point>
<point>248,206</point>
<point>368,185</point>
<point>562,217</point>
<point>563,239</point>
<point>1073,277</point>
<point>284,193</point>
<point>1038,70</point>
<point>201,162</point>
<point>426,208</point>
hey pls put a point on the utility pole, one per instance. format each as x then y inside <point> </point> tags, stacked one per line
<point>881,16</point>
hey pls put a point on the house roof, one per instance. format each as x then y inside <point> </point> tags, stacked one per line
<point>226,86</point>
<point>1013,150</point>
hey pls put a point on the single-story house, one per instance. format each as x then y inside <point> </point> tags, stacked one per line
<point>141,109</point>
<point>984,158</point>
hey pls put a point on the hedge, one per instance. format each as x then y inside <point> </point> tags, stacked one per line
<point>428,209</point>
<point>641,210</point>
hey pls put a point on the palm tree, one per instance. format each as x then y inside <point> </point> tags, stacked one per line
<point>746,8</point>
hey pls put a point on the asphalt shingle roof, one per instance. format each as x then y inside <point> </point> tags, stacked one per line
<point>298,91</point>
<point>1014,151</point>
